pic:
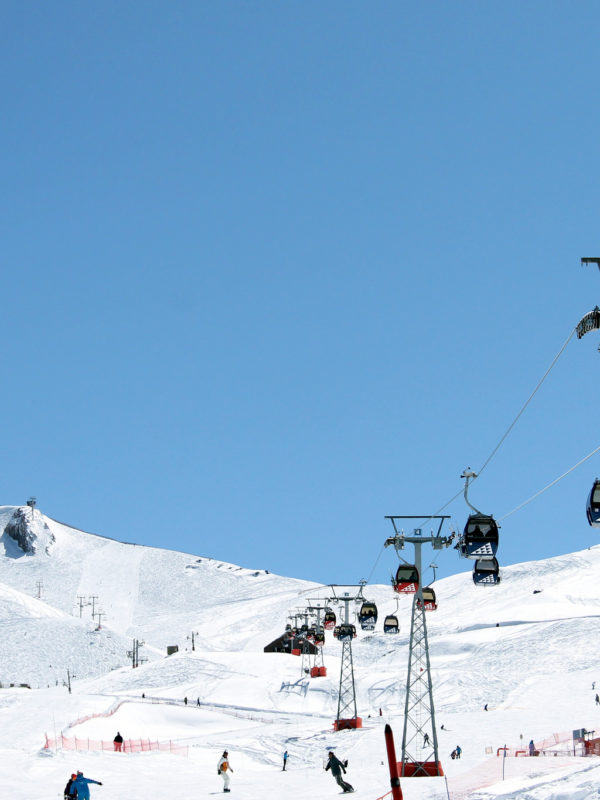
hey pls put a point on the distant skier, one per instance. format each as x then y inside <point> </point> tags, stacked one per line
<point>597,700</point>
<point>82,785</point>
<point>223,769</point>
<point>426,740</point>
<point>337,767</point>
<point>485,707</point>
<point>285,758</point>
<point>70,792</point>
<point>185,700</point>
<point>458,751</point>
<point>531,747</point>
<point>118,742</point>
<point>453,755</point>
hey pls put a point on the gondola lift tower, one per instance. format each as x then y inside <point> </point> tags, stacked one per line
<point>346,712</point>
<point>420,756</point>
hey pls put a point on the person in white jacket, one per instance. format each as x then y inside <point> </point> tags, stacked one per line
<point>223,769</point>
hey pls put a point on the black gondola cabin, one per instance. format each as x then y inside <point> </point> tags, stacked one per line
<point>486,572</point>
<point>390,624</point>
<point>367,616</point>
<point>593,505</point>
<point>480,537</point>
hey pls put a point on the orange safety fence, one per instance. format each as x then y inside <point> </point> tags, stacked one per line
<point>555,744</point>
<point>128,746</point>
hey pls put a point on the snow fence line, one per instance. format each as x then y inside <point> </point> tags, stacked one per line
<point>557,744</point>
<point>128,746</point>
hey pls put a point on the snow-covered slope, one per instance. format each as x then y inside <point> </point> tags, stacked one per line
<point>526,649</point>
<point>157,596</point>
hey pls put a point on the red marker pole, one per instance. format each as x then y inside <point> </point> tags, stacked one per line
<point>391,753</point>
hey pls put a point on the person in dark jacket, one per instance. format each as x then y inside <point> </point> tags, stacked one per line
<point>118,742</point>
<point>82,785</point>
<point>70,792</point>
<point>285,758</point>
<point>336,767</point>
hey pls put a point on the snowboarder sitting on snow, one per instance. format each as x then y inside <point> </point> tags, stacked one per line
<point>337,767</point>
<point>223,769</point>
<point>70,792</point>
<point>82,786</point>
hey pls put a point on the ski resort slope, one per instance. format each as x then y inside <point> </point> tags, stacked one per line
<point>526,649</point>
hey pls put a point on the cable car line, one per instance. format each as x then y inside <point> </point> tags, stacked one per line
<point>375,564</point>
<point>529,399</point>
<point>556,480</point>
<point>513,423</point>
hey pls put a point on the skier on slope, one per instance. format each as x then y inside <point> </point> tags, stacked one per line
<point>82,785</point>
<point>223,769</point>
<point>337,767</point>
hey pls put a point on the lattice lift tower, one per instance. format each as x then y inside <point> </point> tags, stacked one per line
<point>318,668</point>
<point>420,755</point>
<point>346,712</point>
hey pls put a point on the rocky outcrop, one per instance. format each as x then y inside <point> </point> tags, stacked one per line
<point>32,535</point>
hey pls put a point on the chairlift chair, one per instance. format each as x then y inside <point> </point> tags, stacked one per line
<point>593,505</point>
<point>486,572</point>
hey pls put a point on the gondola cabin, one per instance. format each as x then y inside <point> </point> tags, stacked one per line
<point>329,620</point>
<point>480,537</point>
<point>429,602</point>
<point>319,639</point>
<point>367,616</point>
<point>593,505</point>
<point>486,572</point>
<point>311,633</point>
<point>390,624</point>
<point>336,631</point>
<point>406,580</point>
<point>347,632</point>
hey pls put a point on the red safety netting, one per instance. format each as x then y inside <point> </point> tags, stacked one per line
<point>128,746</point>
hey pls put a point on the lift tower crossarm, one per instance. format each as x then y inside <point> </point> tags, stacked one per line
<point>437,541</point>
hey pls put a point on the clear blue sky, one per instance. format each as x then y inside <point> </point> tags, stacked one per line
<point>272,271</point>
